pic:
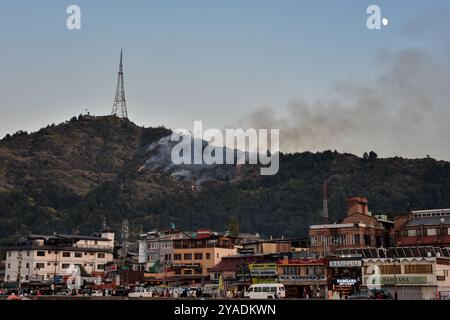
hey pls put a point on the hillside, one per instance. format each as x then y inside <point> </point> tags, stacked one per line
<point>69,177</point>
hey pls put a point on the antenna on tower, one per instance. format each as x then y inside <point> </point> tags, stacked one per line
<point>325,202</point>
<point>120,105</point>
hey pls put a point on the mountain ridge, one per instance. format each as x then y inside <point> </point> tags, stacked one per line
<point>72,176</point>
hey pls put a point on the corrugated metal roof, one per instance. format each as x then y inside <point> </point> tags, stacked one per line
<point>427,221</point>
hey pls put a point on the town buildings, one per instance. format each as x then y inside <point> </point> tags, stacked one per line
<point>359,229</point>
<point>51,258</point>
<point>338,260</point>
<point>156,249</point>
<point>423,228</point>
<point>414,273</point>
<point>194,254</point>
<point>303,277</point>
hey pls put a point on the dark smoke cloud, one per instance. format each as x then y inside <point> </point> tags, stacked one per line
<point>404,111</point>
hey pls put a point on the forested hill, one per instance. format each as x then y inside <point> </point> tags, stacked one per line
<point>70,177</point>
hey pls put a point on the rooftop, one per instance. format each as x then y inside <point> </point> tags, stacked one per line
<point>401,252</point>
<point>428,221</point>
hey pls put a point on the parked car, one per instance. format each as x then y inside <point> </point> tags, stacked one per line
<point>141,292</point>
<point>371,294</point>
<point>96,293</point>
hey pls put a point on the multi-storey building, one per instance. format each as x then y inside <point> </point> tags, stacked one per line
<point>156,249</point>
<point>423,228</point>
<point>50,258</point>
<point>303,277</point>
<point>413,272</point>
<point>359,229</point>
<point>194,254</point>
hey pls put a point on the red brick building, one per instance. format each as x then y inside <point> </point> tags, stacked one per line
<point>423,228</point>
<point>359,229</point>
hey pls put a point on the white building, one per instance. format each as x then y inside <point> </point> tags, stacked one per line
<point>416,273</point>
<point>44,258</point>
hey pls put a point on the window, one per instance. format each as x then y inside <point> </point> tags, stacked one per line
<point>198,256</point>
<point>28,253</point>
<point>101,256</point>
<point>177,256</point>
<point>9,253</point>
<point>65,265</point>
<point>48,263</point>
<point>431,231</point>
<point>188,256</point>
<point>91,253</point>
<point>26,277</point>
<point>177,271</point>
<point>217,255</point>
<point>7,277</point>
<point>198,271</point>
<point>258,289</point>
<point>418,268</point>
<point>208,256</point>
<point>411,232</point>
<point>78,254</point>
<point>9,265</point>
<point>66,254</point>
<point>27,266</point>
<point>101,267</point>
<point>188,271</point>
<point>390,269</point>
<point>40,265</point>
<point>357,239</point>
<point>40,253</point>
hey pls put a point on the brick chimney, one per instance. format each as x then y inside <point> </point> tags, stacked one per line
<point>357,205</point>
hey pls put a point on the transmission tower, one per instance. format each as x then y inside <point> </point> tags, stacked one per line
<point>120,105</point>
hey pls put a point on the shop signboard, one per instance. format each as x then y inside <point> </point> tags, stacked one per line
<point>391,280</point>
<point>309,277</point>
<point>263,269</point>
<point>345,263</point>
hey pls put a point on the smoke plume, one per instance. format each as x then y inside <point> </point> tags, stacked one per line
<point>160,159</point>
<point>404,110</point>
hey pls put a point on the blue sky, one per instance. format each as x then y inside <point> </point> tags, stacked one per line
<point>214,61</point>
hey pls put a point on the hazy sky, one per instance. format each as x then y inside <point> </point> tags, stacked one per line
<point>310,67</point>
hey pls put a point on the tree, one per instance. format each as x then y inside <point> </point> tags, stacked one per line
<point>366,156</point>
<point>233,226</point>
<point>372,156</point>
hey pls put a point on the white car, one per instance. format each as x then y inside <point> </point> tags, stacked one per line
<point>141,293</point>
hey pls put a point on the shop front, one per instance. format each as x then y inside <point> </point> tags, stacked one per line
<point>303,278</point>
<point>344,276</point>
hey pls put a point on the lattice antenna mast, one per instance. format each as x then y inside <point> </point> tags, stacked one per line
<point>120,105</point>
